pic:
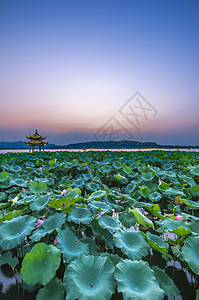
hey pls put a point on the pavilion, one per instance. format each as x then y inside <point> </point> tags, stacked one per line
<point>36,140</point>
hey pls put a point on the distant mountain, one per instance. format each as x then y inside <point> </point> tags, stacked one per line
<point>123,145</point>
<point>98,145</point>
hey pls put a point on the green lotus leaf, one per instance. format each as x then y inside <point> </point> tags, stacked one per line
<point>89,278</point>
<point>110,223</point>
<point>165,282</point>
<point>26,199</point>
<point>4,176</point>
<point>92,186</point>
<point>155,196</point>
<point>52,291</point>
<point>12,214</point>
<point>38,187</point>
<point>14,231</point>
<point>7,258</point>
<point>130,188</point>
<point>18,182</point>
<point>40,264</point>
<point>156,242</point>
<point>163,186</point>
<point>191,254</point>
<point>80,215</point>
<point>54,222</point>
<point>195,190</point>
<point>131,243</point>
<point>155,210</point>
<point>137,281</point>
<point>3,196</point>
<point>188,180</point>
<point>63,203</point>
<point>141,219</point>
<point>96,206</point>
<point>102,234</point>
<point>147,176</point>
<point>114,258</point>
<point>70,245</point>
<point>195,171</point>
<point>98,195</point>
<point>127,218</point>
<point>106,169</point>
<point>39,203</point>
<point>190,203</point>
<point>120,177</point>
<point>178,227</point>
<point>80,182</point>
<point>93,248</point>
<point>194,227</point>
<point>145,192</point>
<point>117,165</point>
<point>127,170</point>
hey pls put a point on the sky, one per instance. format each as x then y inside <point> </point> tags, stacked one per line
<point>100,70</point>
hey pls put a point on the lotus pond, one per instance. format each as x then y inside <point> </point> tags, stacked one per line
<point>99,225</point>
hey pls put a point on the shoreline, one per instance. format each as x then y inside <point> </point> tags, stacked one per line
<point>4,151</point>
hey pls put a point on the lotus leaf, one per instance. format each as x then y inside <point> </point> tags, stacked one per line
<point>80,182</point>
<point>130,188</point>
<point>12,214</point>
<point>191,254</point>
<point>70,245</point>
<point>98,195</point>
<point>39,203</point>
<point>147,176</point>
<point>155,196</point>
<point>195,190</point>
<point>178,227</point>
<point>4,176</point>
<point>92,186</point>
<point>80,215</point>
<point>38,187</point>
<point>40,264</point>
<point>89,278</point>
<point>7,258</point>
<point>141,219</point>
<point>54,222</point>
<point>156,242</point>
<point>102,206</point>
<point>120,177</point>
<point>165,282</point>
<point>145,192</point>
<point>131,243</point>
<point>127,170</point>
<point>110,223</point>
<point>114,258</point>
<point>137,281</point>
<point>127,218</point>
<point>3,196</point>
<point>52,291</point>
<point>195,171</point>
<point>65,204</point>
<point>117,165</point>
<point>14,231</point>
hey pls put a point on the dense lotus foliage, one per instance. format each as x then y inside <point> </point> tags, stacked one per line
<point>100,225</point>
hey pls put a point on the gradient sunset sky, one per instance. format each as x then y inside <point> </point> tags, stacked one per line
<point>69,68</point>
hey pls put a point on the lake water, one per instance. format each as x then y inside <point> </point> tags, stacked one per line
<point>82,150</point>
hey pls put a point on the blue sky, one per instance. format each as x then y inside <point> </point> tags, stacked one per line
<point>67,68</point>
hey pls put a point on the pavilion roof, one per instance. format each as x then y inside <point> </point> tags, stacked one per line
<point>36,136</point>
